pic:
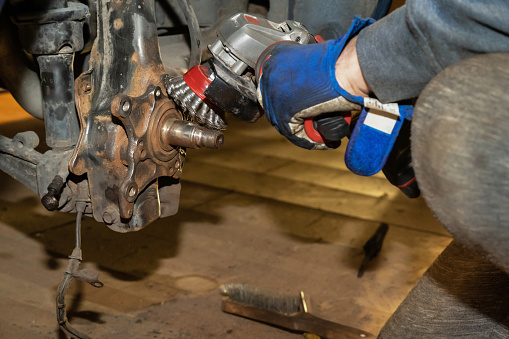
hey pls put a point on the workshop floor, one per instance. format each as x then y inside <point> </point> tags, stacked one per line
<point>258,211</point>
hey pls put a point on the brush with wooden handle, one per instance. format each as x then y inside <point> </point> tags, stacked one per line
<point>285,311</point>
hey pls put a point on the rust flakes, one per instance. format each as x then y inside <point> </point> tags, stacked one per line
<point>118,24</point>
<point>116,4</point>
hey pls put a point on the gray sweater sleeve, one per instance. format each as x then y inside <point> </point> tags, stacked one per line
<point>402,52</point>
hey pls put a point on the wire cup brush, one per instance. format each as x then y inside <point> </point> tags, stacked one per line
<point>289,312</point>
<point>194,106</point>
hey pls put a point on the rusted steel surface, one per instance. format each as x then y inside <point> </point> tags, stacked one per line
<point>19,159</point>
<point>128,158</point>
<point>121,104</point>
<point>125,56</point>
<point>121,152</point>
<point>146,158</point>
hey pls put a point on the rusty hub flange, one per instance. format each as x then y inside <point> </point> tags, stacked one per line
<point>121,153</point>
<point>144,154</point>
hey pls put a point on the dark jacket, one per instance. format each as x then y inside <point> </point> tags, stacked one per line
<point>402,52</point>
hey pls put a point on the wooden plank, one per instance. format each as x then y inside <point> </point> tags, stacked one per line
<point>298,171</point>
<point>323,249</point>
<point>239,160</point>
<point>222,238</point>
<point>262,139</point>
<point>413,214</point>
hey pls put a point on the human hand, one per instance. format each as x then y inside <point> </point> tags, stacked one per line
<point>378,125</point>
<point>299,82</point>
<point>348,71</point>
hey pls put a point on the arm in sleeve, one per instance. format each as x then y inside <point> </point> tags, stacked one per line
<point>401,53</point>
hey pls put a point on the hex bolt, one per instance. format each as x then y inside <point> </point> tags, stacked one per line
<point>124,106</point>
<point>108,218</point>
<point>51,200</point>
<point>111,215</point>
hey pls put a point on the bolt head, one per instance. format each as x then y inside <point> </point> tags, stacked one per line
<point>107,218</point>
<point>110,216</point>
<point>50,202</point>
<point>126,106</point>
<point>132,192</point>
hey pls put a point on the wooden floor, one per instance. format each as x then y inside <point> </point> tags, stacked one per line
<point>258,211</point>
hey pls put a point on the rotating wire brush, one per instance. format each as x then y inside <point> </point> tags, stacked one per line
<point>192,104</point>
<point>289,312</point>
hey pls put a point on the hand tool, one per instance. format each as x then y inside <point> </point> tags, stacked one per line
<point>373,247</point>
<point>285,311</point>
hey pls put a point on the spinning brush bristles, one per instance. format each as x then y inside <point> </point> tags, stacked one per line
<point>261,298</point>
<point>191,103</point>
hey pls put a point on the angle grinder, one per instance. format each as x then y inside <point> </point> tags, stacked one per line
<point>228,83</point>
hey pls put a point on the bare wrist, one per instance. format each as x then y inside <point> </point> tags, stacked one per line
<point>348,71</point>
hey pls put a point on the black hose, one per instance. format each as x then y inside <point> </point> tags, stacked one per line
<point>194,32</point>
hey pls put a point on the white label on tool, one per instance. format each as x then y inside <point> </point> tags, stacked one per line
<point>382,117</point>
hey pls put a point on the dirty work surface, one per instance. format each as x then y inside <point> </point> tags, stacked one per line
<point>257,212</point>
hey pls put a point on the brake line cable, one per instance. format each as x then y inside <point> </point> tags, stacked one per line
<point>72,272</point>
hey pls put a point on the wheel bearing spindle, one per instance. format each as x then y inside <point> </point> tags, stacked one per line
<point>189,134</point>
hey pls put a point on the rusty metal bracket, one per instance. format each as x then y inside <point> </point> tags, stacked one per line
<point>120,151</point>
<point>116,151</point>
<point>145,155</point>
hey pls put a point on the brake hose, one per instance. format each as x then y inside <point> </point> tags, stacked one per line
<point>194,32</point>
<point>71,273</point>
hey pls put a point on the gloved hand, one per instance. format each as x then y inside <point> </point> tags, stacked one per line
<point>297,82</point>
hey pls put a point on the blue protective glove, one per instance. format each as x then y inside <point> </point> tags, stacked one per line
<point>299,82</point>
<point>374,136</point>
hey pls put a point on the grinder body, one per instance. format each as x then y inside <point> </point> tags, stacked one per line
<point>228,83</point>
